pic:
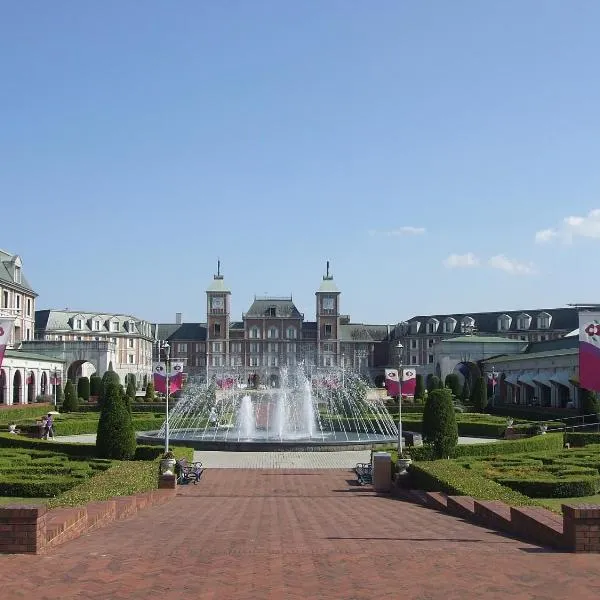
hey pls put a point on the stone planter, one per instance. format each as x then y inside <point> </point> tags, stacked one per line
<point>167,466</point>
<point>402,465</point>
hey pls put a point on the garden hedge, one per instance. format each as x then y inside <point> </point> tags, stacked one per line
<point>582,439</point>
<point>32,411</point>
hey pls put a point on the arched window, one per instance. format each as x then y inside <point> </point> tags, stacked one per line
<point>291,333</point>
<point>273,333</point>
<point>255,333</point>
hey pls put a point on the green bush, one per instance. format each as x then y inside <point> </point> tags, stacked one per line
<point>95,386</point>
<point>440,421</point>
<point>115,437</point>
<point>83,388</point>
<point>452,382</point>
<point>450,477</point>
<point>31,411</point>
<point>109,377</point>
<point>149,396</point>
<point>70,403</point>
<point>479,395</point>
<point>590,404</point>
<point>582,439</point>
<point>419,387</point>
<point>433,383</point>
<point>466,391</point>
<point>130,392</point>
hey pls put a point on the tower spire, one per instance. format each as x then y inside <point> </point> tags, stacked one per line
<point>218,275</point>
<point>328,276</point>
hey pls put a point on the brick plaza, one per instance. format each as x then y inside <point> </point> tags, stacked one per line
<point>270,534</point>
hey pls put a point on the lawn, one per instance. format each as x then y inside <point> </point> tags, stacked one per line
<point>556,503</point>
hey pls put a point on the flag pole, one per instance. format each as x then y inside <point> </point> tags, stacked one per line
<point>399,348</point>
<point>167,350</point>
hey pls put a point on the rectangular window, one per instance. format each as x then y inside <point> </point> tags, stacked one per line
<point>114,326</point>
<point>291,347</point>
<point>217,329</point>
<point>217,361</point>
<point>255,333</point>
<point>17,274</point>
<point>254,361</point>
<point>413,344</point>
<point>328,347</point>
<point>272,312</point>
<point>5,299</point>
<point>430,343</point>
<point>430,359</point>
<point>79,338</point>
<point>273,361</point>
<point>430,327</point>
<point>130,343</point>
<point>413,359</point>
<point>272,347</point>
<point>327,331</point>
<point>130,359</point>
<point>182,348</point>
<point>254,348</point>
<point>216,346</point>
<point>327,361</point>
<point>28,307</point>
<point>28,334</point>
<point>96,325</point>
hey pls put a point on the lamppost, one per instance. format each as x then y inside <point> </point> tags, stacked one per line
<point>343,368</point>
<point>399,348</point>
<point>164,345</point>
<point>55,380</point>
<point>494,375</point>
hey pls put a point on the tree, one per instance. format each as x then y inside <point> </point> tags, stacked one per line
<point>131,389</point>
<point>83,388</point>
<point>109,377</point>
<point>95,386</point>
<point>60,395</point>
<point>131,377</point>
<point>419,388</point>
<point>452,382</point>
<point>429,382</point>
<point>442,430</point>
<point>466,391</point>
<point>440,384</point>
<point>149,396</point>
<point>115,436</point>
<point>589,404</point>
<point>479,395</point>
<point>433,383</point>
<point>70,403</point>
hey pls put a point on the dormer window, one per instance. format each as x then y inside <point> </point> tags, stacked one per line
<point>524,321</point>
<point>432,325</point>
<point>272,311</point>
<point>114,326</point>
<point>467,325</point>
<point>130,326</point>
<point>78,323</point>
<point>17,274</point>
<point>543,320</point>
<point>448,325</point>
<point>414,327</point>
<point>504,322</point>
<point>96,325</point>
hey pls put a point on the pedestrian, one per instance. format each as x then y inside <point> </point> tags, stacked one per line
<point>49,427</point>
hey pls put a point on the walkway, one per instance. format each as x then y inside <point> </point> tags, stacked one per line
<point>279,534</point>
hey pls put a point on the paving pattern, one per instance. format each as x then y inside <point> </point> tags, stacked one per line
<point>295,534</point>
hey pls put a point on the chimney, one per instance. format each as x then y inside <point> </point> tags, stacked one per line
<point>178,318</point>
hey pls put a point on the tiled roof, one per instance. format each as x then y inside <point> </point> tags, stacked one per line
<point>359,332</point>
<point>180,331</point>
<point>482,339</point>
<point>563,343</point>
<point>564,319</point>
<point>31,356</point>
<point>7,272</point>
<point>60,320</point>
<point>284,308</point>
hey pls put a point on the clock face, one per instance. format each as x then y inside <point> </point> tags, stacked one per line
<point>217,302</point>
<point>328,304</point>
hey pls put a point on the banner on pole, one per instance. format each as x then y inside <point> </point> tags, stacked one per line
<point>6,326</point>
<point>409,382</point>
<point>589,351</point>
<point>392,382</point>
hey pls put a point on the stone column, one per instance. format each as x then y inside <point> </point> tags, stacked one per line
<point>581,527</point>
<point>23,529</point>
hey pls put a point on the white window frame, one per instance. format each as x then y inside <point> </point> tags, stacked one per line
<point>273,333</point>
<point>216,347</point>
<point>131,359</point>
<point>255,333</point>
<point>291,333</point>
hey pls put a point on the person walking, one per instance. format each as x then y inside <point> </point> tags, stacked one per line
<point>49,434</point>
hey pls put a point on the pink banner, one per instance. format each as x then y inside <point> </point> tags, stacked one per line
<point>6,326</point>
<point>392,382</point>
<point>589,351</point>
<point>409,382</point>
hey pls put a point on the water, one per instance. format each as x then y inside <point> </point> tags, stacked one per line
<point>331,408</point>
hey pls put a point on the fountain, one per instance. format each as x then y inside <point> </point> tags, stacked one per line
<point>330,412</point>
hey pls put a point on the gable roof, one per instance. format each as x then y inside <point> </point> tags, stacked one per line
<point>182,331</point>
<point>284,308</point>
<point>7,272</point>
<point>360,332</point>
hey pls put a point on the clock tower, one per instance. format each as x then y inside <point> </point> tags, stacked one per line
<point>218,311</point>
<point>328,322</point>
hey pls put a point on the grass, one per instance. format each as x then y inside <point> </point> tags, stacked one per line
<point>13,500</point>
<point>554,504</point>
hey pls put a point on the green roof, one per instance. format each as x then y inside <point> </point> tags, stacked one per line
<point>483,339</point>
<point>218,285</point>
<point>31,356</point>
<point>328,286</point>
<point>526,356</point>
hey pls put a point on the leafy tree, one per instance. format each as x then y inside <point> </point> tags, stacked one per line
<point>433,383</point>
<point>149,396</point>
<point>466,391</point>
<point>589,404</point>
<point>115,437</point>
<point>440,421</point>
<point>479,395</point>
<point>83,388</point>
<point>70,403</point>
<point>95,386</point>
<point>452,382</point>
<point>419,388</point>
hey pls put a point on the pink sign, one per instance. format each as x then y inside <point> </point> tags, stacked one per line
<point>589,351</point>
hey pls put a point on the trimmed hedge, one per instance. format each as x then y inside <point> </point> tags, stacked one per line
<point>77,426</point>
<point>579,440</point>
<point>452,478</point>
<point>32,411</point>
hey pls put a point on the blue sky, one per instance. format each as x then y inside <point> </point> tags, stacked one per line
<point>419,146</point>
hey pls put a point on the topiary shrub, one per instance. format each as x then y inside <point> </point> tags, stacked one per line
<point>419,387</point>
<point>150,396</point>
<point>430,383</point>
<point>109,377</point>
<point>479,395</point>
<point>442,431</point>
<point>589,404</point>
<point>95,386</point>
<point>452,382</point>
<point>83,388</point>
<point>115,436</point>
<point>70,403</point>
<point>466,391</point>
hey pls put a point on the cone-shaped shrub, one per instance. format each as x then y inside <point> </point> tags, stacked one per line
<point>115,437</point>
<point>70,403</point>
<point>419,388</point>
<point>442,430</point>
<point>433,383</point>
<point>479,395</point>
<point>466,391</point>
<point>150,392</point>
<point>452,382</point>
<point>95,386</point>
<point>589,404</point>
<point>131,388</point>
<point>83,388</point>
<point>109,377</point>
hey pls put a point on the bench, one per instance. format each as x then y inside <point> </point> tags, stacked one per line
<point>364,472</point>
<point>187,472</point>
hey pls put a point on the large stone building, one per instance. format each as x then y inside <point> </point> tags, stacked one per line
<point>420,334</point>
<point>95,339</point>
<point>273,333</point>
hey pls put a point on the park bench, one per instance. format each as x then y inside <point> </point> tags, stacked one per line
<point>187,472</point>
<point>364,472</point>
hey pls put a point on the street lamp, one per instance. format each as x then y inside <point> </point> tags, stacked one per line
<point>55,380</point>
<point>343,368</point>
<point>494,375</point>
<point>399,348</point>
<point>167,352</point>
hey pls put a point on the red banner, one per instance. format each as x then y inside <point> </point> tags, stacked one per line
<point>589,351</point>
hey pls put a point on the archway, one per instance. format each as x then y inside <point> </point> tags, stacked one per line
<point>30,387</point>
<point>44,384</point>
<point>273,380</point>
<point>80,368</point>
<point>3,393</point>
<point>17,387</point>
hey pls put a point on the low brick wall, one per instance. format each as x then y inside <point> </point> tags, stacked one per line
<point>578,530</point>
<point>35,529</point>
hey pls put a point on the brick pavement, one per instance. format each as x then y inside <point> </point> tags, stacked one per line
<point>277,534</point>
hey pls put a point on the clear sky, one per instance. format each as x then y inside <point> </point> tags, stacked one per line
<point>435,152</point>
